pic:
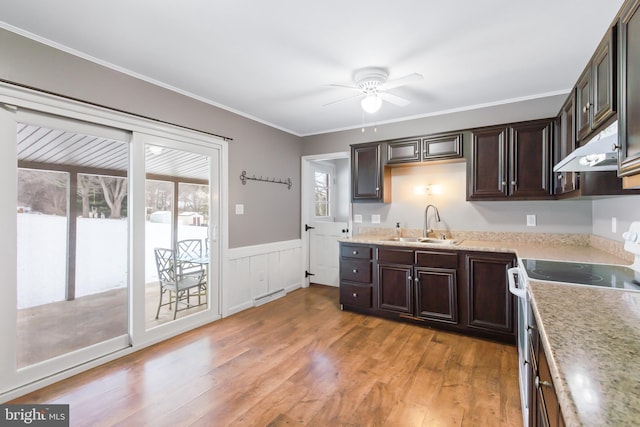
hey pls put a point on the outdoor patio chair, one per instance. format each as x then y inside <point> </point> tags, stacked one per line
<point>174,280</point>
<point>192,259</point>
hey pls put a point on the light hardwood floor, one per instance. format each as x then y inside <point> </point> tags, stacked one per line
<point>299,360</point>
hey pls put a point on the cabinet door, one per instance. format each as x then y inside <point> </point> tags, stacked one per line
<point>490,304</point>
<point>366,173</point>
<point>437,294</point>
<point>565,144</point>
<point>530,160</point>
<point>603,103</point>
<point>394,288</point>
<point>438,147</point>
<point>403,151</point>
<point>629,114</point>
<point>488,164</point>
<point>583,104</point>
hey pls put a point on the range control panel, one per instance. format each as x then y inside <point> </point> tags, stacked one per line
<point>632,241</point>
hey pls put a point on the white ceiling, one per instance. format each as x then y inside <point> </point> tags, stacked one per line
<point>274,61</point>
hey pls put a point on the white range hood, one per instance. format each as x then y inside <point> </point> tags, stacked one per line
<point>599,154</point>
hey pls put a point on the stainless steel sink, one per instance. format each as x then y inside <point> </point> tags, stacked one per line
<point>401,239</point>
<point>432,240</point>
<point>429,240</point>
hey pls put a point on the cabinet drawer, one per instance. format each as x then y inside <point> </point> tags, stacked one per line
<point>437,259</point>
<point>395,256</point>
<point>355,251</point>
<point>355,295</point>
<point>355,270</point>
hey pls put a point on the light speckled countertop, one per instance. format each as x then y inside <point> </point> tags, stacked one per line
<point>592,339</point>
<point>591,336</point>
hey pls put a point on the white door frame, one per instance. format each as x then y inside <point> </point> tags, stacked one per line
<point>304,201</point>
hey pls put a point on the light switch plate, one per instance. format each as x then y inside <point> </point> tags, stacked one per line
<point>531,220</point>
<point>357,218</point>
<point>375,219</point>
<point>239,209</point>
<point>614,224</point>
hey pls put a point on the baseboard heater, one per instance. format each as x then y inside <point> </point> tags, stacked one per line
<point>269,297</point>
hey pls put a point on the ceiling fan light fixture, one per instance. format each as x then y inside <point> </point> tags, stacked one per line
<point>371,103</point>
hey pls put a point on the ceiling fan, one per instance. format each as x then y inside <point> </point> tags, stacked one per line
<point>372,84</point>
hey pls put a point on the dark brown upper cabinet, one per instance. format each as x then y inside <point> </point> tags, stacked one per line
<point>444,146</point>
<point>629,115</point>
<point>425,148</point>
<point>368,177</point>
<point>511,162</point>
<point>565,143</point>
<point>403,151</point>
<point>596,89</point>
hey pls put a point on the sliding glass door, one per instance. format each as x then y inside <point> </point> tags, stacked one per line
<point>103,215</point>
<point>177,196</point>
<point>72,246</point>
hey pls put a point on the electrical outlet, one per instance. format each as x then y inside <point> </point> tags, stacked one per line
<point>357,219</point>
<point>239,209</point>
<point>614,224</point>
<point>531,220</point>
<point>375,219</point>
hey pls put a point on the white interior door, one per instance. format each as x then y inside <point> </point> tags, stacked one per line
<point>323,252</point>
<point>327,217</point>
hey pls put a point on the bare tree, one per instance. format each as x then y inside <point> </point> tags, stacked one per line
<point>43,191</point>
<point>87,185</point>
<point>114,191</point>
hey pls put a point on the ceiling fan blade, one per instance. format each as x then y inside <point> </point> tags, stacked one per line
<point>409,78</point>
<point>344,99</point>
<point>393,99</point>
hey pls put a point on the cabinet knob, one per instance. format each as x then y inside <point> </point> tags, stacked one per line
<point>355,252</point>
<point>504,183</point>
<point>355,295</point>
<point>615,147</point>
<point>409,278</point>
<point>560,177</point>
<point>513,183</point>
<point>377,188</point>
<point>416,280</point>
<point>355,270</point>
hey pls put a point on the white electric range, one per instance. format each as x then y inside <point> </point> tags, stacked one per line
<point>621,277</point>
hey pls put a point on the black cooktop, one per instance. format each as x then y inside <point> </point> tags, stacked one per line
<point>604,275</point>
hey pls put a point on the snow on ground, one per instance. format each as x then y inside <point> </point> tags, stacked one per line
<point>101,260</point>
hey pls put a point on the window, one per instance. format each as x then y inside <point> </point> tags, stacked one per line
<point>321,194</point>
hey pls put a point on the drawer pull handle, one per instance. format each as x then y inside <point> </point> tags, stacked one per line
<point>542,383</point>
<point>355,295</point>
<point>355,252</point>
<point>355,270</point>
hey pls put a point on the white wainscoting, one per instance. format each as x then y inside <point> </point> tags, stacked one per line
<point>261,273</point>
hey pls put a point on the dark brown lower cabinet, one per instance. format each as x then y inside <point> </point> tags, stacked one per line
<point>544,406</point>
<point>490,305</point>
<point>436,294</point>
<point>394,288</point>
<point>460,291</point>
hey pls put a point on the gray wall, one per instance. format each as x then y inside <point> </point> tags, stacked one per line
<point>624,208</point>
<point>562,216</point>
<point>272,213</point>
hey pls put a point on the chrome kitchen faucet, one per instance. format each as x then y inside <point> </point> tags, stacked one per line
<point>426,230</point>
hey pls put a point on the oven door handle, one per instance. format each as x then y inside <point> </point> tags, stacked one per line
<point>513,288</point>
